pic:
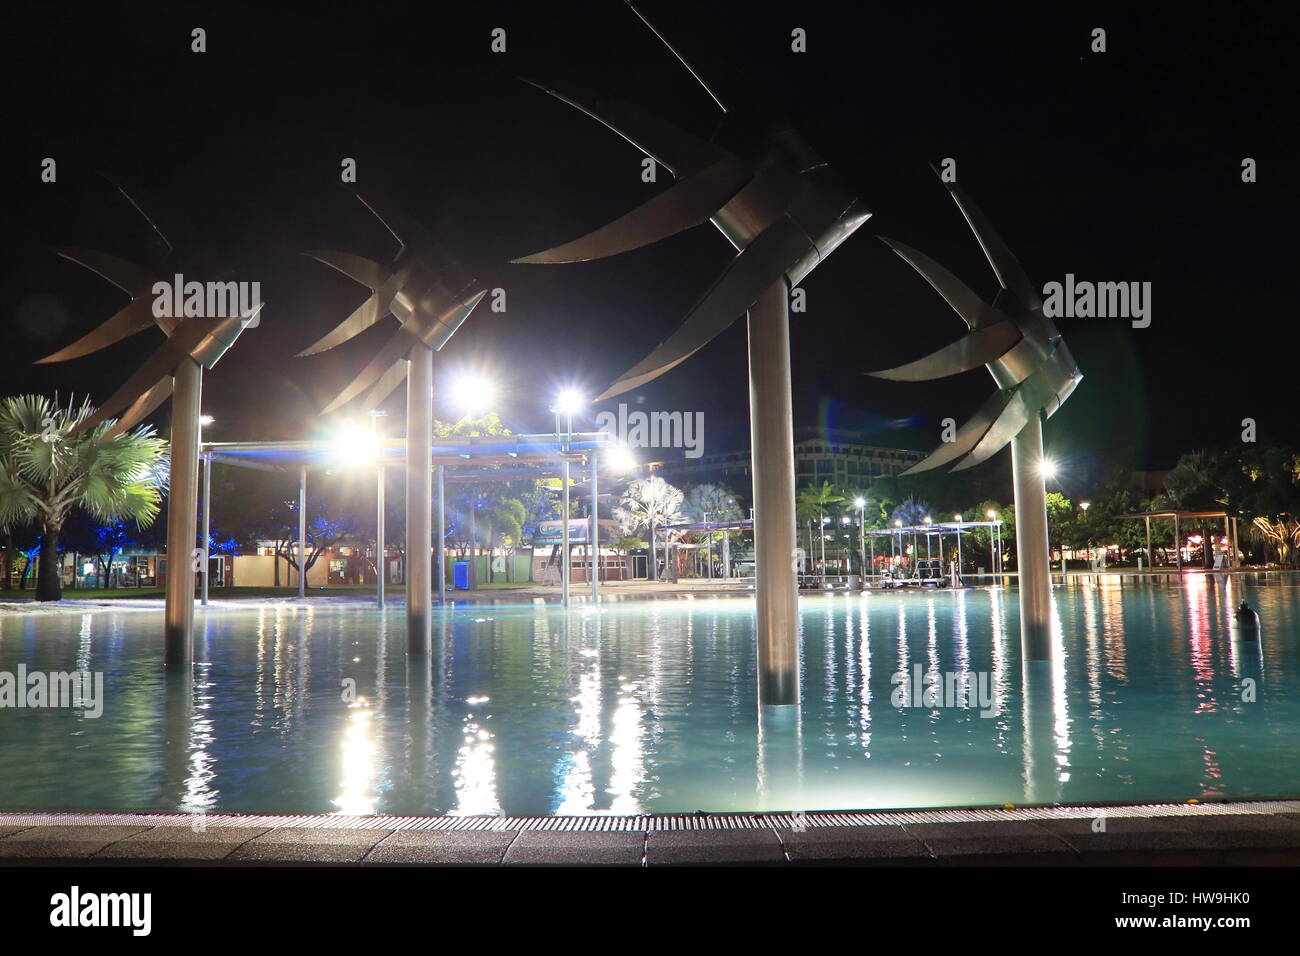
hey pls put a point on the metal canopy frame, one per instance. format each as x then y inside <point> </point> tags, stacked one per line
<point>532,457</point>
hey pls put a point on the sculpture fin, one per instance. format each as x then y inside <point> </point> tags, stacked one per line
<point>956,293</point>
<point>1011,274</point>
<point>762,262</point>
<point>673,148</point>
<point>687,203</point>
<point>980,347</point>
<point>967,436</point>
<point>395,348</point>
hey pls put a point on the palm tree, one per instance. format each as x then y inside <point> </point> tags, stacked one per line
<point>46,471</point>
<point>646,504</point>
<point>814,500</point>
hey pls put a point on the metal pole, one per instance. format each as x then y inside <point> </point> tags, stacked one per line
<point>419,499</point>
<point>958,549</point>
<point>381,554</point>
<point>564,539</point>
<point>207,521</point>
<point>178,615</point>
<point>771,423</point>
<point>1032,557</point>
<point>302,531</point>
<point>1178,546</point>
<point>441,546</point>
<point>595,532</point>
<point>862,538</point>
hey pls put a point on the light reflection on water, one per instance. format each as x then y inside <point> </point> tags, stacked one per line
<point>650,707</point>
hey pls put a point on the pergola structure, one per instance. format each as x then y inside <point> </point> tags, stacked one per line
<point>510,457</point>
<point>939,529</point>
<point>1229,529</point>
<point>706,527</point>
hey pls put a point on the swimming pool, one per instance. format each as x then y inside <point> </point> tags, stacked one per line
<point>649,706</point>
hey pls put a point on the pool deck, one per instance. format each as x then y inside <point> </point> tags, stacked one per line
<point>1256,833</point>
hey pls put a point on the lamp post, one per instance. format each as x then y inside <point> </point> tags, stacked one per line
<point>995,539</point>
<point>204,421</point>
<point>861,505</point>
<point>380,551</point>
<point>1092,558</point>
<point>958,547</point>
<point>567,401</point>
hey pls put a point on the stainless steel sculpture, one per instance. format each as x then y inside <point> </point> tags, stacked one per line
<point>431,294</point>
<point>1035,374</point>
<point>784,213</point>
<point>194,343</point>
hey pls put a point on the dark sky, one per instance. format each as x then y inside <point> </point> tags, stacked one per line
<point>1122,166</point>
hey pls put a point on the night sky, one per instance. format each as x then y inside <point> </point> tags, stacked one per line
<point>1121,166</point>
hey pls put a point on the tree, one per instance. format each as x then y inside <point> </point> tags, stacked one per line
<point>46,472</point>
<point>813,504</point>
<point>646,504</point>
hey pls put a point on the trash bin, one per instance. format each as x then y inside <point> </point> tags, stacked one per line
<point>460,575</point>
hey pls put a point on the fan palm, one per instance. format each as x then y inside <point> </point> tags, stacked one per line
<point>647,504</point>
<point>47,469</point>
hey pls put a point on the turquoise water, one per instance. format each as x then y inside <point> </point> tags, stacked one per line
<point>650,707</point>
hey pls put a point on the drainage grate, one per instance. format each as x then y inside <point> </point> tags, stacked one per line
<point>658,822</point>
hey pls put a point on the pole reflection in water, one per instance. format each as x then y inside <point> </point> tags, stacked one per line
<point>1046,721</point>
<point>780,758</point>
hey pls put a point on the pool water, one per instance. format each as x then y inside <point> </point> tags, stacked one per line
<point>650,706</point>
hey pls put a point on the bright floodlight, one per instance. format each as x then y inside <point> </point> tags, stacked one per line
<point>1047,468</point>
<point>356,445</point>
<point>990,514</point>
<point>568,401</point>
<point>1084,505</point>
<point>859,502</point>
<point>620,459</point>
<point>928,519</point>
<point>898,524</point>
<point>206,420</point>
<point>958,517</point>
<point>473,393</point>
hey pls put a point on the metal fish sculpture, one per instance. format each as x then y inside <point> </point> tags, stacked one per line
<point>428,291</point>
<point>1020,346</point>
<point>203,339</point>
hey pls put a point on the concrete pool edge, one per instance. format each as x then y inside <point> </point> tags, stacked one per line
<point>1235,833</point>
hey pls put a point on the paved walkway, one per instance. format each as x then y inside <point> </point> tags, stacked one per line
<point>1234,834</point>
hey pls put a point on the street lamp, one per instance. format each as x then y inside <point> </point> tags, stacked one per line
<point>566,403</point>
<point>473,394</point>
<point>380,549</point>
<point>861,504</point>
<point>996,537</point>
<point>958,547</point>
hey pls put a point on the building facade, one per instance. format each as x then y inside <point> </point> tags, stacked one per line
<point>844,458</point>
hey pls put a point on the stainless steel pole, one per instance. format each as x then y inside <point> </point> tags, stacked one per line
<point>207,522</point>
<point>419,499</point>
<point>182,498</point>
<point>1032,556</point>
<point>441,547</point>
<point>595,531</point>
<point>302,531</point>
<point>771,422</point>
<point>564,545</point>
<point>381,551</point>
